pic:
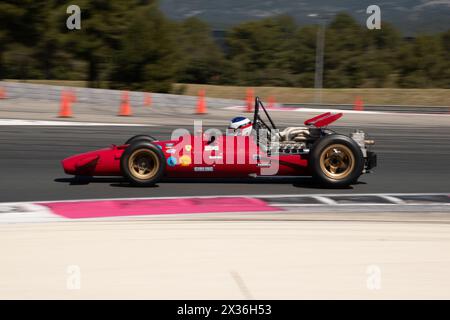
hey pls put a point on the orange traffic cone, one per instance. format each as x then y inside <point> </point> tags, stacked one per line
<point>2,93</point>
<point>250,99</point>
<point>65,110</point>
<point>125,108</point>
<point>359,105</point>
<point>201,103</point>
<point>147,99</point>
<point>72,96</point>
<point>271,101</point>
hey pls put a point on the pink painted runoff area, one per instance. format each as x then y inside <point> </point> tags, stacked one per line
<point>136,207</point>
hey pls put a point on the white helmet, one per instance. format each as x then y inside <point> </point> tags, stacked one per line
<point>239,126</point>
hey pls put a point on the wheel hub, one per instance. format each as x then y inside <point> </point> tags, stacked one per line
<point>143,164</point>
<point>337,161</point>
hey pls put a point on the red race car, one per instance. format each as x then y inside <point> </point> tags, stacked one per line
<point>248,149</point>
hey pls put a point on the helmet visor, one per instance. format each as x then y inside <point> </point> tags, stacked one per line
<point>238,131</point>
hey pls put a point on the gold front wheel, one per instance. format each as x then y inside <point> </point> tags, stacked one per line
<point>143,164</point>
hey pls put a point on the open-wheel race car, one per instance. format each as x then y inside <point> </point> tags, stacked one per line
<point>332,159</point>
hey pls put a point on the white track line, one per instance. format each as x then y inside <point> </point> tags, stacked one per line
<point>369,112</point>
<point>20,122</point>
<point>35,211</point>
<point>233,196</point>
<point>19,212</point>
<point>325,200</point>
<point>392,199</point>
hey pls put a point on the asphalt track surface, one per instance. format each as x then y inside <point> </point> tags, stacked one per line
<point>410,160</point>
<point>330,254</point>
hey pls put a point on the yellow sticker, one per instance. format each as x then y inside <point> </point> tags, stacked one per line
<point>188,147</point>
<point>185,160</point>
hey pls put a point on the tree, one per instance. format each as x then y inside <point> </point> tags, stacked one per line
<point>19,32</point>
<point>147,55</point>
<point>303,55</point>
<point>201,59</point>
<point>344,46</point>
<point>130,44</point>
<point>380,56</point>
<point>103,24</point>
<point>422,63</point>
<point>259,51</point>
<point>445,40</point>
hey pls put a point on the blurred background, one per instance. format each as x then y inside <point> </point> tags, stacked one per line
<point>171,46</point>
<point>145,67</point>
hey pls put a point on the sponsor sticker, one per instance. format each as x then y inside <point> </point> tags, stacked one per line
<point>169,145</point>
<point>185,160</point>
<point>211,148</point>
<point>264,164</point>
<point>188,147</point>
<point>215,157</point>
<point>171,151</point>
<point>203,169</point>
<point>172,161</point>
<point>260,157</point>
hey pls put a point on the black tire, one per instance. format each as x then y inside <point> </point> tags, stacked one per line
<point>143,163</point>
<point>140,137</point>
<point>337,153</point>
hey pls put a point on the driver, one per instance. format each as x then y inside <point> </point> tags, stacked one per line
<point>239,126</point>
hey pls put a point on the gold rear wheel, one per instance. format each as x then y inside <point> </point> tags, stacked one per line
<point>337,161</point>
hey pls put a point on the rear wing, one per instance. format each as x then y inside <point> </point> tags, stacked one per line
<point>323,120</point>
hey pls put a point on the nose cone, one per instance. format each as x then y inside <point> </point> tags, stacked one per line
<point>82,164</point>
<point>68,165</point>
